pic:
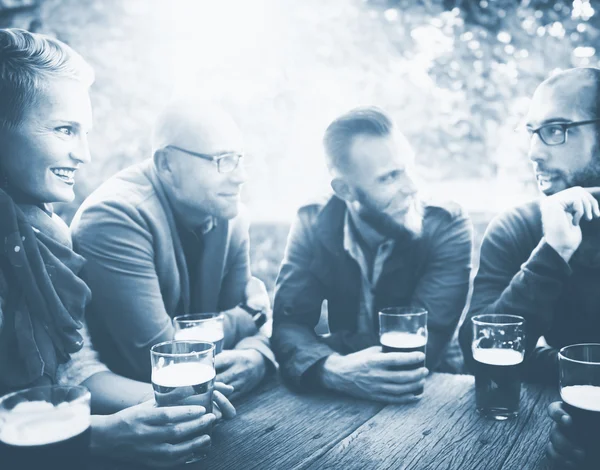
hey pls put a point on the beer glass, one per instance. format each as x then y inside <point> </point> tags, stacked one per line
<point>403,329</point>
<point>183,373</point>
<point>200,327</point>
<point>579,373</point>
<point>498,349</point>
<point>45,427</point>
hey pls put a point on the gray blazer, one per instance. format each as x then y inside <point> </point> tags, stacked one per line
<point>138,274</point>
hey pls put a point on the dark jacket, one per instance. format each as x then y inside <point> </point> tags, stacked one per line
<point>431,272</point>
<point>520,274</point>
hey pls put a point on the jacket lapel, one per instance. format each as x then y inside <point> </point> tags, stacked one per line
<point>181,288</point>
<point>336,268</point>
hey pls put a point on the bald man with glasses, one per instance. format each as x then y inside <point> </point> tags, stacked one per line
<point>542,260</point>
<point>166,237</point>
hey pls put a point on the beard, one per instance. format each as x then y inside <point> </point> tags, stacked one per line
<point>587,177</point>
<point>410,228</point>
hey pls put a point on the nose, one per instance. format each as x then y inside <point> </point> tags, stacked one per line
<point>240,174</point>
<point>537,149</point>
<point>82,153</point>
<point>408,186</point>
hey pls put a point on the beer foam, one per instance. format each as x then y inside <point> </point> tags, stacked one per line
<point>200,333</point>
<point>40,423</point>
<point>400,339</point>
<point>183,374</point>
<point>497,356</point>
<point>585,397</point>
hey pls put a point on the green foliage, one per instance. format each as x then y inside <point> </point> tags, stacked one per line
<point>488,56</point>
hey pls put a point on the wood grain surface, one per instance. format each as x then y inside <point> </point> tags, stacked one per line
<point>279,429</point>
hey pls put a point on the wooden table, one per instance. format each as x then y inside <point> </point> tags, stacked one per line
<point>279,429</point>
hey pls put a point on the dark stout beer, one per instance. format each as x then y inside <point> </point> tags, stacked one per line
<point>37,435</point>
<point>582,402</point>
<point>399,341</point>
<point>497,382</point>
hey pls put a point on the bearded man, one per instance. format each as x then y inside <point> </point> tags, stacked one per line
<point>375,243</point>
<point>541,260</point>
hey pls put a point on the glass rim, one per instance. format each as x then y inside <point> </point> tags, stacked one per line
<point>578,361</point>
<point>410,311</point>
<point>478,319</point>
<point>183,354</point>
<point>86,394</point>
<point>188,317</point>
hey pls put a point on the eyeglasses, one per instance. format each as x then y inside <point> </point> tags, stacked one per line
<point>556,133</point>
<point>226,162</point>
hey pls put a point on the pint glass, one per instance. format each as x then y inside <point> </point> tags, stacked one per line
<point>579,372</point>
<point>404,329</point>
<point>183,373</point>
<point>200,327</point>
<point>498,349</point>
<point>45,427</point>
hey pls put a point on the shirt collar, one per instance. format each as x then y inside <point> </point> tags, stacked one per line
<point>351,237</point>
<point>207,226</point>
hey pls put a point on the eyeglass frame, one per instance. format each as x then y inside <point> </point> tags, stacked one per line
<point>565,127</point>
<point>213,158</point>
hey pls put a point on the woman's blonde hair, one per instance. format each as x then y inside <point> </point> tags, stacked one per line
<point>27,62</point>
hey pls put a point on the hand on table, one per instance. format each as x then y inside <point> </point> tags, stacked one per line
<point>159,436</point>
<point>561,450</point>
<point>369,374</point>
<point>241,368</point>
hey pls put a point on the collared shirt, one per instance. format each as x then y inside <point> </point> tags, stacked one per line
<point>370,273</point>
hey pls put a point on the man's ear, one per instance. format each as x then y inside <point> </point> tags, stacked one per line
<point>161,161</point>
<point>342,190</point>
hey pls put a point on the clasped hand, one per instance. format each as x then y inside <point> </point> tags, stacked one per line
<point>370,374</point>
<point>159,436</point>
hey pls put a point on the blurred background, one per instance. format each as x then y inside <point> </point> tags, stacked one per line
<point>456,75</point>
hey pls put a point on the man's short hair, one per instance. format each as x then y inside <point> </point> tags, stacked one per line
<point>27,62</point>
<point>368,120</point>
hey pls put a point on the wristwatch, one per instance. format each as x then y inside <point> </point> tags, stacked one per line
<point>259,317</point>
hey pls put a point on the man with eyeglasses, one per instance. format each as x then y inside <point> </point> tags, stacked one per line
<point>165,237</point>
<point>542,260</point>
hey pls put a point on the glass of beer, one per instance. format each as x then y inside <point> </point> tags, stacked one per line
<point>403,329</point>
<point>201,327</point>
<point>45,427</point>
<point>498,349</point>
<point>183,373</point>
<point>579,372</point>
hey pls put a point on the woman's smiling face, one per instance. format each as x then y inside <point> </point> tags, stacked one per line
<point>41,154</point>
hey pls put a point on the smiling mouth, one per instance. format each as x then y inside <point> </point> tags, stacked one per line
<point>65,174</point>
<point>545,178</point>
<point>406,207</point>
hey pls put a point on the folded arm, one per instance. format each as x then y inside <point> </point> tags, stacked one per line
<point>297,308</point>
<point>240,330</point>
<point>121,273</point>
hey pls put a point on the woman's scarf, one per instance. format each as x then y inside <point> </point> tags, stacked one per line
<point>46,301</point>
